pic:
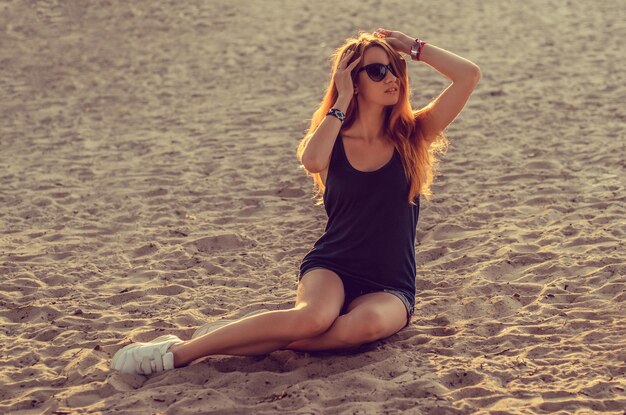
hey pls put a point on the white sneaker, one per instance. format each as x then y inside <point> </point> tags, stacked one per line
<point>214,325</point>
<point>146,358</point>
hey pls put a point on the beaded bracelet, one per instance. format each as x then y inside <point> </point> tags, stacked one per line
<point>337,113</point>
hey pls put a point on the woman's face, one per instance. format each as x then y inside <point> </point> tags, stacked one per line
<point>375,92</point>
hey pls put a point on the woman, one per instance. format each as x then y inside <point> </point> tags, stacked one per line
<point>376,155</point>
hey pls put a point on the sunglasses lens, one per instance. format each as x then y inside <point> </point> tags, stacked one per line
<point>377,71</point>
<point>393,71</point>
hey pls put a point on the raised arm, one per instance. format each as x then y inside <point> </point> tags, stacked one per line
<point>463,74</point>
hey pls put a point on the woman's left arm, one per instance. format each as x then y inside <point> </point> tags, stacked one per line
<point>463,74</point>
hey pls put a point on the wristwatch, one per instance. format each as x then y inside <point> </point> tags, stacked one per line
<point>416,49</point>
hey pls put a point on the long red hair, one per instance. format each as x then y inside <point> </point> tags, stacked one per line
<point>402,123</point>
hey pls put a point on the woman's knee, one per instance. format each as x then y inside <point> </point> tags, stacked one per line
<point>311,322</point>
<point>368,324</point>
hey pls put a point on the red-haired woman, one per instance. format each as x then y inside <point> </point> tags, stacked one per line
<point>371,156</point>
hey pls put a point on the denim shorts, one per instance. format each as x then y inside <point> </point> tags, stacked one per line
<point>354,289</point>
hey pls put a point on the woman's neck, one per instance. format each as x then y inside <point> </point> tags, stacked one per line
<point>368,125</point>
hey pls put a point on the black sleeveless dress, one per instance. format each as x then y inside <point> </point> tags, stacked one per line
<point>369,238</point>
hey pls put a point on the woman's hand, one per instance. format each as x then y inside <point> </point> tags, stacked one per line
<point>397,40</point>
<point>343,75</point>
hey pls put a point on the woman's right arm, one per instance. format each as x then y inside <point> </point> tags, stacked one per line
<point>316,155</point>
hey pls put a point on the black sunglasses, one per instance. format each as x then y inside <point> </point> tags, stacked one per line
<point>377,71</point>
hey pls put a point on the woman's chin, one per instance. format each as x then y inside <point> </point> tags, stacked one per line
<point>392,101</point>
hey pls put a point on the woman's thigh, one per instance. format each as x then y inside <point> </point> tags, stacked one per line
<point>321,291</point>
<point>355,290</point>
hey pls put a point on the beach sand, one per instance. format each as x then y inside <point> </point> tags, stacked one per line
<point>149,184</point>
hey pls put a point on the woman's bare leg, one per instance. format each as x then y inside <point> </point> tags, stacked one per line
<point>260,334</point>
<point>319,299</point>
<point>331,339</point>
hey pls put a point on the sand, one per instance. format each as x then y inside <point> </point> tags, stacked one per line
<point>149,184</point>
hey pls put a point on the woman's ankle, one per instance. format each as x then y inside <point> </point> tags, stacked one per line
<point>178,359</point>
